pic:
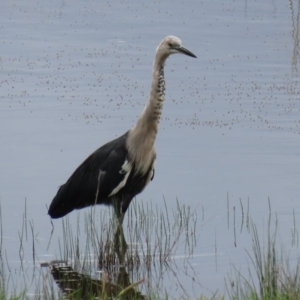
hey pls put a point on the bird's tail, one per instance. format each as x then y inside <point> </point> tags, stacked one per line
<point>60,206</point>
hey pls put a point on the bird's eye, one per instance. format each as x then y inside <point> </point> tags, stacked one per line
<point>170,45</point>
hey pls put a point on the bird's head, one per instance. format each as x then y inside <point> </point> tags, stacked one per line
<point>170,45</point>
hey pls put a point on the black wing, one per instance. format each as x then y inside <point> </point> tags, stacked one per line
<point>94,180</point>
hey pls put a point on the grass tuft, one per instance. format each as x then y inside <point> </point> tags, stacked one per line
<point>273,278</point>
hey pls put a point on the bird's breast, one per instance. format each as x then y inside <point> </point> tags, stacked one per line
<point>144,159</point>
<point>141,150</point>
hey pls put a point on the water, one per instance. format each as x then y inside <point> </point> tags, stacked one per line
<point>76,74</point>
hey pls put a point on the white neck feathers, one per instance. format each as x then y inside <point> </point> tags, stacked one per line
<point>142,136</point>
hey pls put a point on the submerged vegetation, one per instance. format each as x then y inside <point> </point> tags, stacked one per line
<point>87,266</point>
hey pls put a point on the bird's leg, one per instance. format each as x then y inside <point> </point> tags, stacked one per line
<point>122,208</point>
<point>120,244</point>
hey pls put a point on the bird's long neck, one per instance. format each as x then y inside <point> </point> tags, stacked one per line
<point>142,136</point>
<point>150,116</point>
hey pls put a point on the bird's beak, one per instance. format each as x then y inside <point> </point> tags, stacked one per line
<point>186,51</point>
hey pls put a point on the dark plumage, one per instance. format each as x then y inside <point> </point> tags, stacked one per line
<point>94,181</point>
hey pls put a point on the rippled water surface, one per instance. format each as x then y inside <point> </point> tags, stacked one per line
<point>75,74</point>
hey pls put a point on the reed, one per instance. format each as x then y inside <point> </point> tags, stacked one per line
<point>270,275</point>
<point>87,266</point>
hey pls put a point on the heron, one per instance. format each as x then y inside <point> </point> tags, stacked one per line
<point>119,170</point>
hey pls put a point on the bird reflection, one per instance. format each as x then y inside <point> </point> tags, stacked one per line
<point>75,285</point>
